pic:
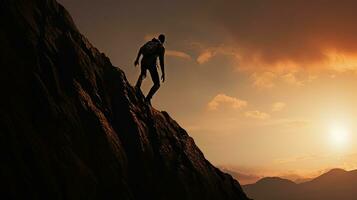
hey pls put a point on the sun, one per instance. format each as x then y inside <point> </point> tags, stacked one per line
<point>339,135</point>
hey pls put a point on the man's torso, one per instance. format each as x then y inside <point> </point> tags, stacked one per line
<point>150,60</point>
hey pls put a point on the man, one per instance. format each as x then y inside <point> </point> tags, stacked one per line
<point>151,51</point>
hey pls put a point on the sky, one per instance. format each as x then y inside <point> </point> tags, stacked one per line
<point>265,87</point>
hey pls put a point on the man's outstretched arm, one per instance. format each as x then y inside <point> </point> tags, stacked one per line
<point>138,57</point>
<point>162,65</point>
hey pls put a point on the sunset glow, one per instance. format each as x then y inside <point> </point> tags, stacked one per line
<point>339,136</point>
<point>265,88</point>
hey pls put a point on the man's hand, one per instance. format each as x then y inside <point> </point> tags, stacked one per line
<point>136,63</point>
<point>163,77</point>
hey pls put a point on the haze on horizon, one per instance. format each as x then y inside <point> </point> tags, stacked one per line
<point>264,87</point>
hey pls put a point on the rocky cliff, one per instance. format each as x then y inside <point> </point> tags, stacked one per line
<point>72,127</point>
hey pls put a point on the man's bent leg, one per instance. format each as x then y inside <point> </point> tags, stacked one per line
<point>155,78</point>
<point>140,80</point>
<point>141,77</point>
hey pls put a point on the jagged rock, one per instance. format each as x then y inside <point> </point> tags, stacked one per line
<point>72,127</point>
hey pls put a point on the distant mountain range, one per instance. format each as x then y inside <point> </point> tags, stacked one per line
<point>336,184</point>
<point>242,177</point>
<point>250,178</point>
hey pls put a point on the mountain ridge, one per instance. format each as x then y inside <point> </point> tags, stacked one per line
<point>334,184</point>
<point>72,127</point>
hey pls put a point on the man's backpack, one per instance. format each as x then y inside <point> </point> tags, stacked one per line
<point>151,47</point>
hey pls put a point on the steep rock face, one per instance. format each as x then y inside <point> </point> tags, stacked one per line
<point>72,127</point>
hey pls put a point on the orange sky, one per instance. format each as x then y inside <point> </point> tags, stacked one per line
<point>265,87</point>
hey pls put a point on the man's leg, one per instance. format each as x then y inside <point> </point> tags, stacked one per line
<point>141,77</point>
<point>155,78</point>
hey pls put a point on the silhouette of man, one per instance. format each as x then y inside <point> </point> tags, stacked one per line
<point>151,51</point>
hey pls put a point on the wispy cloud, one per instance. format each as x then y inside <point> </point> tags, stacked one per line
<point>263,75</point>
<point>292,79</point>
<point>205,57</point>
<point>278,106</point>
<point>269,79</point>
<point>255,114</point>
<point>178,54</point>
<point>298,159</point>
<point>263,80</point>
<point>207,53</point>
<point>223,99</point>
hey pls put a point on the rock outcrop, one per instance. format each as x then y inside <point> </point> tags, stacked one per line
<point>72,127</point>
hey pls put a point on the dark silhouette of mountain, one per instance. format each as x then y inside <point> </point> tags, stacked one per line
<point>270,188</point>
<point>332,185</point>
<point>300,180</point>
<point>72,127</point>
<point>241,177</point>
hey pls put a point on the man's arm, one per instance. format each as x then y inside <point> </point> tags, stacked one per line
<point>162,64</point>
<point>138,57</point>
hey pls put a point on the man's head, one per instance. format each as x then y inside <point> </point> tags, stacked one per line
<point>162,38</point>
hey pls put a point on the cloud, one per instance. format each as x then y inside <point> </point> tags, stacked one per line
<point>262,77</point>
<point>263,80</point>
<point>278,106</point>
<point>298,123</point>
<point>222,99</point>
<point>292,79</point>
<point>291,123</point>
<point>342,62</point>
<point>257,115</point>
<point>292,34</point>
<point>269,79</point>
<point>207,53</point>
<point>205,56</point>
<point>296,159</point>
<point>282,41</point>
<point>178,54</point>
